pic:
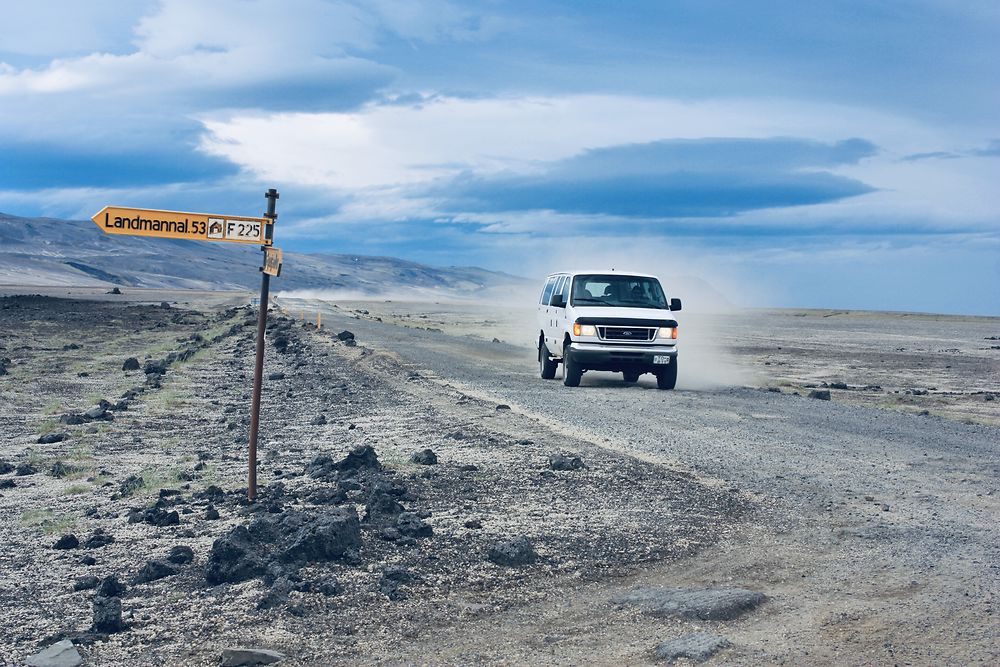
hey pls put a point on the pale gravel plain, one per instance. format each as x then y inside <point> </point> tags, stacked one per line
<point>871,528</point>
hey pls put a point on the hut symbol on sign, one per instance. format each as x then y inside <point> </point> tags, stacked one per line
<point>215,228</point>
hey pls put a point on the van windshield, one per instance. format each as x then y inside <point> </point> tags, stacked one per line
<point>617,290</point>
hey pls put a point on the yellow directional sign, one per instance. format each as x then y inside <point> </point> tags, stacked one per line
<point>272,261</point>
<point>178,225</point>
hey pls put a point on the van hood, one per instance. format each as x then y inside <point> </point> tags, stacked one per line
<point>629,313</point>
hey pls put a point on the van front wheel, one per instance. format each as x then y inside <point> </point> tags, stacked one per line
<point>667,378</point>
<point>546,364</point>
<point>571,369</point>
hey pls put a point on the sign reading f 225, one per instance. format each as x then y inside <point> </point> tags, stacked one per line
<point>178,225</point>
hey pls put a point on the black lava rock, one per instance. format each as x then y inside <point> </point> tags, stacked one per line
<point>86,583</point>
<point>425,457</point>
<point>25,469</point>
<point>68,541</point>
<point>211,514</point>
<point>52,438</point>
<point>6,467</point>
<point>392,578</point>
<point>108,614</point>
<point>131,364</point>
<point>181,555</point>
<point>410,525</point>
<point>234,558</point>
<point>130,485</point>
<point>565,462</point>
<point>60,470</point>
<point>512,553</point>
<point>318,420</point>
<point>98,539</point>
<point>820,394</point>
<point>345,335</point>
<point>153,570</point>
<point>110,587</point>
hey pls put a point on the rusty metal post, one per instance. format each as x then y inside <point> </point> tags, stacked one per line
<point>258,371</point>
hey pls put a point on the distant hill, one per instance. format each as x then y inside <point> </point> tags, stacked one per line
<point>47,251</point>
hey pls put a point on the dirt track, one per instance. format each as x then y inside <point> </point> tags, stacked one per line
<point>872,532</point>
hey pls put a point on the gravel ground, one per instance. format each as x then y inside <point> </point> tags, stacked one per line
<point>877,539</point>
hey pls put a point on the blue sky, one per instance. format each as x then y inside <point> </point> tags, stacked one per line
<point>827,154</point>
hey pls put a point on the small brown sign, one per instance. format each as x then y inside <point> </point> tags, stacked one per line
<point>272,261</point>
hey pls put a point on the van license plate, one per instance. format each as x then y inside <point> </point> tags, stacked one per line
<point>661,358</point>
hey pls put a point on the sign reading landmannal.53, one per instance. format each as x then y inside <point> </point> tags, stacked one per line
<point>178,225</point>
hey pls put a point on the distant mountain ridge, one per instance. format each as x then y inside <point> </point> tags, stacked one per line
<point>48,251</point>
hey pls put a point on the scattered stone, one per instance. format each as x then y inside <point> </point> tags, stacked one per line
<point>425,457</point>
<point>99,539</point>
<point>697,646</point>
<point>318,420</point>
<point>6,468</point>
<point>60,470</point>
<point>277,594</point>
<point>114,290</point>
<point>181,555</point>
<point>392,578</point>
<point>410,525</point>
<point>382,508</point>
<point>708,604</point>
<point>88,560</point>
<point>153,570</point>
<point>328,587</point>
<point>837,385</point>
<point>820,394</point>
<point>155,516</point>
<point>276,376</point>
<point>52,438</point>
<point>211,514</point>
<point>67,541</point>
<point>25,469</point>
<point>108,614</point>
<point>99,412</point>
<point>60,654</point>
<point>110,587</point>
<point>503,406</point>
<point>131,364</point>
<point>248,657</point>
<point>345,336</point>
<point>72,419</point>
<point>7,484</point>
<point>155,367</point>
<point>130,485</point>
<point>565,462</point>
<point>165,306</point>
<point>512,553</point>
<point>86,583</point>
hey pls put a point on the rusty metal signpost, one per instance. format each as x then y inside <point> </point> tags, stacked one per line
<point>226,229</point>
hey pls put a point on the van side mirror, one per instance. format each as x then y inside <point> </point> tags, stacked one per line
<point>675,304</point>
<point>558,301</point>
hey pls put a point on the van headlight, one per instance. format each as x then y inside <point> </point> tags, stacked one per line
<point>667,332</point>
<point>584,329</point>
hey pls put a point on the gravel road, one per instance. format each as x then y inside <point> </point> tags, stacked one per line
<point>878,542</point>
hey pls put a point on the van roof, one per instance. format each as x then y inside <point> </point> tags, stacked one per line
<point>602,271</point>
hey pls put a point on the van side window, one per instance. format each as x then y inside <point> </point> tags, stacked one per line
<point>559,287</point>
<point>547,291</point>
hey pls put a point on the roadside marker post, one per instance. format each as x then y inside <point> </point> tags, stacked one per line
<point>220,228</point>
<point>258,370</point>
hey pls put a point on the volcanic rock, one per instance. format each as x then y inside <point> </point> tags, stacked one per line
<point>249,657</point>
<point>425,457</point>
<point>345,335</point>
<point>25,469</point>
<point>820,394</point>
<point>98,539</point>
<point>181,555</point>
<point>211,514</point>
<point>110,587</point>
<point>60,470</point>
<point>130,485</point>
<point>131,364</point>
<point>512,553</point>
<point>6,467</point>
<point>708,604</point>
<point>318,420</point>
<point>52,438</point>
<point>392,578</point>
<point>60,654</point>
<point>697,646</point>
<point>67,541</point>
<point>410,525</point>
<point>153,570</point>
<point>86,583</point>
<point>108,614</point>
<point>565,462</point>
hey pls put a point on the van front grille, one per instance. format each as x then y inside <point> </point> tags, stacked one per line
<point>626,334</point>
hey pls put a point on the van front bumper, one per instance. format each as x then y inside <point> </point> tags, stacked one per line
<point>598,357</point>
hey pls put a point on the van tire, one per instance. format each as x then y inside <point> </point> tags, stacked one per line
<point>546,364</point>
<point>571,370</point>
<point>630,377</point>
<point>667,378</point>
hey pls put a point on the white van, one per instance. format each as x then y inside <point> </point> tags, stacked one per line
<point>607,321</point>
